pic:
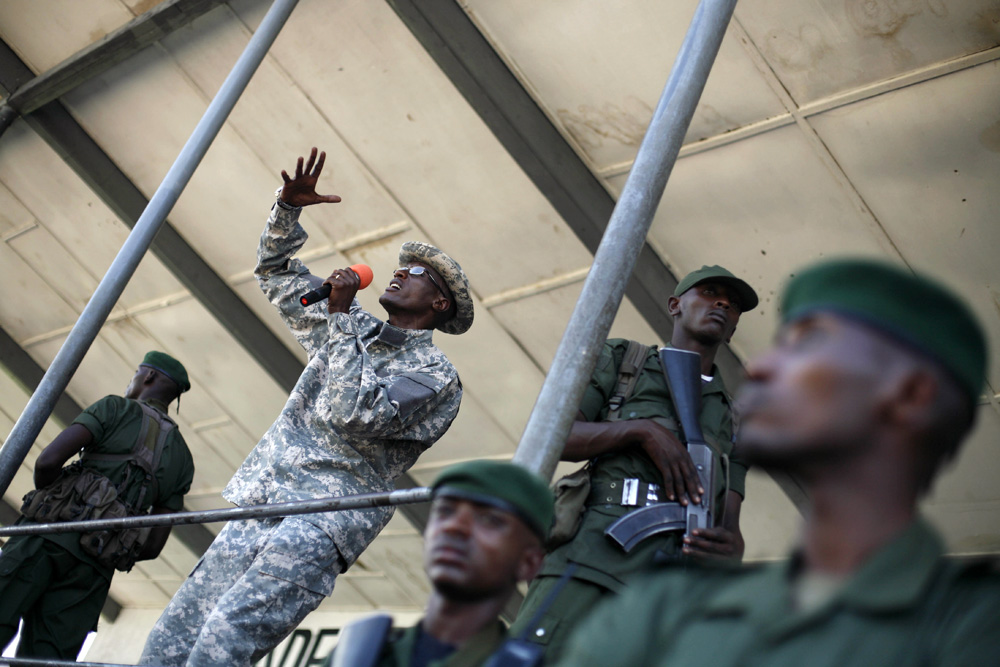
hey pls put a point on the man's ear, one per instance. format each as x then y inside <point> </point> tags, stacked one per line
<point>441,304</point>
<point>530,563</point>
<point>910,398</point>
<point>673,305</point>
<point>150,376</point>
<point>731,334</point>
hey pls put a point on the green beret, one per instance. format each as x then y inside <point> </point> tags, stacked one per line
<point>454,276</point>
<point>913,309</point>
<point>169,366</point>
<point>505,485</point>
<point>748,297</point>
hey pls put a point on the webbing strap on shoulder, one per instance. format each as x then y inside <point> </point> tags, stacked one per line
<point>628,375</point>
<point>146,451</point>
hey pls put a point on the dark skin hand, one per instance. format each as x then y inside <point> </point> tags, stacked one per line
<point>670,456</point>
<point>301,190</point>
<point>344,285</point>
<point>723,542</point>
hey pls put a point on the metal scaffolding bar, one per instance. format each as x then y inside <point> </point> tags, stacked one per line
<point>550,421</point>
<point>68,359</point>
<point>52,662</point>
<point>419,494</point>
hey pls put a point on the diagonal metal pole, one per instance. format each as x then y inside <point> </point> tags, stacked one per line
<point>550,421</point>
<point>68,359</point>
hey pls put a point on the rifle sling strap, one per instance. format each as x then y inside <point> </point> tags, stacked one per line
<point>628,375</point>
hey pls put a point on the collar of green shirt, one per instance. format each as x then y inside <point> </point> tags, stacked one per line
<point>475,651</point>
<point>895,577</point>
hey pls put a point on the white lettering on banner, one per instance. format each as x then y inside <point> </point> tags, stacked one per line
<point>303,648</point>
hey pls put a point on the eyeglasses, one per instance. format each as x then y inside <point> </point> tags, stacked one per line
<point>422,271</point>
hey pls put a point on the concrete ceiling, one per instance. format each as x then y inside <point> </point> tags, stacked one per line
<point>501,132</point>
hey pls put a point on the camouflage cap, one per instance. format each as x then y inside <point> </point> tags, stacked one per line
<point>716,273</point>
<point>504,485</point>
<point>913,309</point>
<point>169,366</point>
<point>454,276</point>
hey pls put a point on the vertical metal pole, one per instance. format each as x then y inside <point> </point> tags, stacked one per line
<point>545,434</point>
<point>68,359</point>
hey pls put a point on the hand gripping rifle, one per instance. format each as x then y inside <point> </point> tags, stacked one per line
<point>683,373</point>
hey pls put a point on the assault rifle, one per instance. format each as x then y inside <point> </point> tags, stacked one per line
<point>683,373</point>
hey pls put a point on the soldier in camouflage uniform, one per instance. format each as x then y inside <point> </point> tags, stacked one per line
<point>373,396</point>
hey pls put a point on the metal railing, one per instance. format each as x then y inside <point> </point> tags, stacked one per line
<point>419,494</point>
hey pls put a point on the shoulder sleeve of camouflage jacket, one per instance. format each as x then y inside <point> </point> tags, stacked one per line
<point>284,279</point>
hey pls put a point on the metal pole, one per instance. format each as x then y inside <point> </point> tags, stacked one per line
<point>68,359</point>
<point>419,494</point>
<point>53,662</point>
<point>545,434</point>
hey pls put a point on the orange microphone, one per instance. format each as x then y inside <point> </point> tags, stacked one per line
<point>363,271</point>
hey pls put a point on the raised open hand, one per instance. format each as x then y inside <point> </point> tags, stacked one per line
<point>301,190</point>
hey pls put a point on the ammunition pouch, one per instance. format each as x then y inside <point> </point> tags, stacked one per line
<point>79,494</point>
<point>571,493</point>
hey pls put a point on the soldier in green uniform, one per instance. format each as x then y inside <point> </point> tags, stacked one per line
<point>48,580</point>
<point>488,522</point>
<point>871,387</point>
<point>636,457</point>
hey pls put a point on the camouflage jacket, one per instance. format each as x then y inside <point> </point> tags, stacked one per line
<point>371,398</point>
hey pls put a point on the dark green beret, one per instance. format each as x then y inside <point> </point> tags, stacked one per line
<point>169,366</point>
<point>914,309</point>
<point>505,485</point>
<point>748,297</point>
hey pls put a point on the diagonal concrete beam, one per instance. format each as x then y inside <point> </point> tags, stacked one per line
<point>29,93</point>
<point>479,73</point>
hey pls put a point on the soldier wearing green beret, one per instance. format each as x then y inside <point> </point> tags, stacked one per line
<point>488,521</point>
<point>869,389</point>
<point>52,582</point>
<point>629,434</point>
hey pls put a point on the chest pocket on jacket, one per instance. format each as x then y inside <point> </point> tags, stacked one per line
<point>411,390</point>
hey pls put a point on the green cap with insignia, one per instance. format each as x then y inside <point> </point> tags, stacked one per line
<point>169,366</point>
<point>911,308</point>
<point>718,274</point>
<point>504,485</point>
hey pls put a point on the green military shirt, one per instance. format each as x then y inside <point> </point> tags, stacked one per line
<point>398,652</point>
<point>115,423</point>
<point>599,559</point>
<point>906,606</point>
